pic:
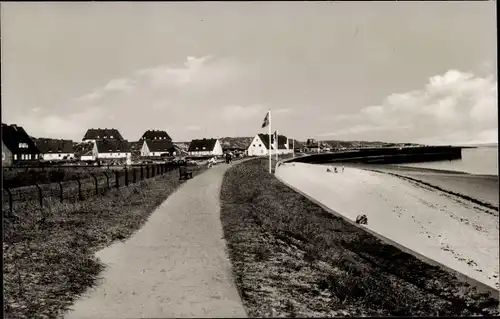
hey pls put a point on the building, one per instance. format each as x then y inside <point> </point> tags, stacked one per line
<point>94,135</point>
<point>236,144</point>
<point>20,145</point>
<point>155,135</point>
<point>86,152</point>
<point>205,147</point>
<point>157,148</point>
<point>259,145</point>
<point>55,150</point>
<point>282,147</point>
<point>113,150</point>
<point>6,156</point>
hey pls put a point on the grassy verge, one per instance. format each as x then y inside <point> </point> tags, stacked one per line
<point>292,258</point>
<point>49,255</point>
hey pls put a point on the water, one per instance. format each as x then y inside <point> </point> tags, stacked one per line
<point>481,160</point>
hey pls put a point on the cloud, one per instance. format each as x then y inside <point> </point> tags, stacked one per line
<point>60,126</point>
<point>455,105</point>
<point>157,97</point>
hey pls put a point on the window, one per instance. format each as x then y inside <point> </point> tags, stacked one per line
<point>36,156</point>
<point>254,145</point>
<point>260,145</point>
<point>3,156</point>
<point>204,148</point>
<point>111,136</point>
<point>28,156</point>
<point>15,157</point>
<point>23,145</point>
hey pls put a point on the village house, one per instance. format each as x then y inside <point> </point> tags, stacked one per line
<point>17,146</point>
<point>282,146</point>
<point>260,145</point>
<point>86,152</point>
<point>236,144</point>
<point>113,150</point>
<point>155,135</point>
<point>55,150</point>
<point>157,148</point>
<point>205,147</point>
<point>94,135</point>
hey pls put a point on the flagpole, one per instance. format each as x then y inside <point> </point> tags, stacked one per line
<point>270,146</point>
<point>277,144</point>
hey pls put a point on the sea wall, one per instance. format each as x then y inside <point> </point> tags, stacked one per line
<point>385,155</point>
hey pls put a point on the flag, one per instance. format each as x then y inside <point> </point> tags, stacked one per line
<point>275,137</point>
<point>266,120</point>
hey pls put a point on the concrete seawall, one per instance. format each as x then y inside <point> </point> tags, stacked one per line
<point>385,155</point>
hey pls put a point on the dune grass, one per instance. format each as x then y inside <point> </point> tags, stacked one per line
<point>292,258</point>
<point>49,255</point>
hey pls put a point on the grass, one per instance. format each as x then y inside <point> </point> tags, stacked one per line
<point>292,258</point>
<point>49,255</point>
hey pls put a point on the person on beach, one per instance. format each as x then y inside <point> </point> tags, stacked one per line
<point>342,168</point>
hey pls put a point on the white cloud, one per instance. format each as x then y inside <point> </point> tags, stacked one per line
<point>151,98</point>
<point>456,105</point>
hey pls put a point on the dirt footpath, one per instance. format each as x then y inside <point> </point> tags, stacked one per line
<point>176,266</point>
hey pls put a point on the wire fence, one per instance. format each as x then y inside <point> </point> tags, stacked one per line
<point>79,189</point>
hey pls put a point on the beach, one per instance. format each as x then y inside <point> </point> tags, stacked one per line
<point>451,218</point>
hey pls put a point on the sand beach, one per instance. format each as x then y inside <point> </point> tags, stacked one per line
<point>451,218</point>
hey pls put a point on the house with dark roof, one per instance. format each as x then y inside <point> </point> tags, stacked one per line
<point>54,150</point>
<point>113,150</point>
<point>157,148</point>
<point>235,144</point>
<point>21,147</point>
<point>260,145</point>
<point>205,147</point>
<point>95,134</point>
<point>155,135</point>
<point>86,152</point>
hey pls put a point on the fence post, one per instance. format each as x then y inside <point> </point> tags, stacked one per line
<point>40,195</point>
<point>96,184</point>
<point>61,196</point>
<point>142,172</point>
<point>147,171</point>
<point>10,199</point>
<point>117,178</point>
<point>126,176</point>
<point>107,179</point>
<point>80,197</point>
<point>134,177</point>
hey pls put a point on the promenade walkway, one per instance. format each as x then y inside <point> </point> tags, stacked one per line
<point>175,266</point>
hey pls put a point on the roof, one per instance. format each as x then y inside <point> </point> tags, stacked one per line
<point>265,140</point>
<point>155,135</point>
<point>83,148</point>
<point>282,140</point>
<point>49,145</point>
<point>160,145</point>
<point>206,144</point>
<point>235,142</point>
<point>100,133</point>
<point>112,146</point>
<point>136,146</point>
<point>12,135</point>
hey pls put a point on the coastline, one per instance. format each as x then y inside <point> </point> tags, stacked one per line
<point>428,221</point>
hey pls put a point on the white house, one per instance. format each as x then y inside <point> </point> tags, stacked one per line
<point>113,149</point>
<point>205,147</point>
<point>157,147</point>
<point>259,145</point>
<point>55,150</point>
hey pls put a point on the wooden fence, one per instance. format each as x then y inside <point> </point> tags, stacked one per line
<point>79,189</point>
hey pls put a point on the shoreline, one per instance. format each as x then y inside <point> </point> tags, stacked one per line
<point>430,221</point>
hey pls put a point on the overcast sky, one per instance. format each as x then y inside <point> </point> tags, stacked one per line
<point>390,71</point>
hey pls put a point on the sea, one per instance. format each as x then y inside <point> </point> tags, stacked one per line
<point>482,160</point>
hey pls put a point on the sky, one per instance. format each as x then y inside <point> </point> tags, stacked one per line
<point>422,72</point>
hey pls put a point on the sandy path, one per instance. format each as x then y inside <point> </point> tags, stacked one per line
<point>452,231</point>
<point>174,266</point>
